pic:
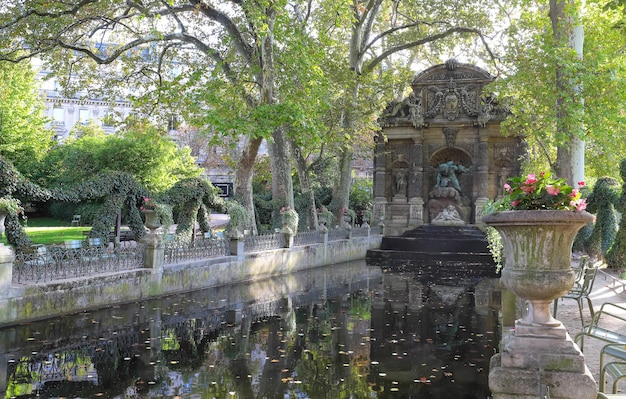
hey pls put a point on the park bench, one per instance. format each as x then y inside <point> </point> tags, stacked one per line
<point>125,235</point>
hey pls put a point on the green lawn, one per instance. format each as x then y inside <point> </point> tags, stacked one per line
<point>51,231</point>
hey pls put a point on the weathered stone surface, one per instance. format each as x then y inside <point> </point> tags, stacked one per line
<point>39,301</point>
<point>516,383</point>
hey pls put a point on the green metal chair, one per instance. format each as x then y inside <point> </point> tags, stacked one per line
<point>581,291</point>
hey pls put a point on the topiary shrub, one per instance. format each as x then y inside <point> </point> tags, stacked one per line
<point>602,202</point>
<point>616,256</point>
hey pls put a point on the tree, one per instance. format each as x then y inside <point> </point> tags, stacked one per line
<point>379,38</point>
<point>23,136</point>
<point>567,106</point>
<point>146,153</point>
<point>246,58</point>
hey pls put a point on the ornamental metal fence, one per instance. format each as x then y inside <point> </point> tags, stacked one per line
<point>179,250</point>
<point>86,258</point>
<point>308,238</point>
<point>264,242</point>
<point>75,260</point>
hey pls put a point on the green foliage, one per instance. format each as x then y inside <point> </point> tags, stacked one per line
<point>325,216</point>
<point>360,199</point>
<point>153,159</point>
<point>238,216</point>
<point>531,62</point>
<point>602,202</point>
<point>496,248</point>
<point>616,256</point>
<point>23,136</point>
<point>192,198</point>
<point>540,192</point>
<point>10,205</point>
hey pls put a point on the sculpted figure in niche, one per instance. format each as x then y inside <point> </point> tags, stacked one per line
<point>502,180</point>
<point>446,175</point>
<point>401,182</point>
<point>415,110</point>
<point>449,215</point>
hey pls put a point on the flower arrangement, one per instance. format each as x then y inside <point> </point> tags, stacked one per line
<point>10,205</point>
<point>542,192</point>
<point>325,216</point>
<point>148,205</point>
<point>290,219</point>
<point>367,216</point>
<point>238,216</point>
<point>349,212</point>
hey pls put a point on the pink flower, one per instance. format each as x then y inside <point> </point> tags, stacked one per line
<point>515,203</point>
<point>581,183</point>
<point>530,179</point>
<point>580,205</point>
<point>552,191</point>
<point>574,193</point>
<point>542,174</point>
<point>528,189</point>
<point>507,187</point>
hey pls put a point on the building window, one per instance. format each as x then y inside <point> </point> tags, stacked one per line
<point>83,116</point>
<point>58,114</point>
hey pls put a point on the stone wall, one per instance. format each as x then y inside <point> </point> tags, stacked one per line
<point>22,303</point>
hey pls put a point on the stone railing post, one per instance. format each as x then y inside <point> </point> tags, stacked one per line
<point>154,252</point>
<point>289,237</point>
<point>237,247</point>
<point>6,270</point>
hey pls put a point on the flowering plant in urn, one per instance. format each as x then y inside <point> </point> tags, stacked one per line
<point>162,213</point>
<point>290,220</point>
<point>538,219</point>
<point>540,192</point>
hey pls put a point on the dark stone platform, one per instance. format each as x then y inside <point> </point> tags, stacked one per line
<point>437,251</point>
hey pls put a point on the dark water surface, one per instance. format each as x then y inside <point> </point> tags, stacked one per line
<point>345,331</point>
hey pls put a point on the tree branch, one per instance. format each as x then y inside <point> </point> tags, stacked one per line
<point>459,29</point>
<point>243,48</point>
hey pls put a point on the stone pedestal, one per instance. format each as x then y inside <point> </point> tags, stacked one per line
<point>539,355</point>
<point>6,270</point>
<point>154,252</point>
<point>416,212</point>
<point>236,247</point>
<point>527,383</point>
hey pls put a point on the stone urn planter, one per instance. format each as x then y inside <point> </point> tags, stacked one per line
<point>538,249</point>
<point>152,220</point>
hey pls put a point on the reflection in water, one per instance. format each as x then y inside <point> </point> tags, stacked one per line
<point>348,331</point>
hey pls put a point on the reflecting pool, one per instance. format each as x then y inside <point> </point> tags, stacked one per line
<point>345,331</point>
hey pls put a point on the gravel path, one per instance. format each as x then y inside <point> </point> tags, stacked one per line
<point>607,288</point>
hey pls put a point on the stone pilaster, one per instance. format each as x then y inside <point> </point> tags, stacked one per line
<point>154,252</point>
<point>380,167</point>
<point>6,271</point>
<point>416,185</point>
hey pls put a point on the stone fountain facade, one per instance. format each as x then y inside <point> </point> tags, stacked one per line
<point>440,155</point>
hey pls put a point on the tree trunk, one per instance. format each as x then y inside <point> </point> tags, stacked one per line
<point>305,184</point>
<point>243,179</point>
<point>570,163</point>
<point>341,193</point>
<point>282,184</point>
